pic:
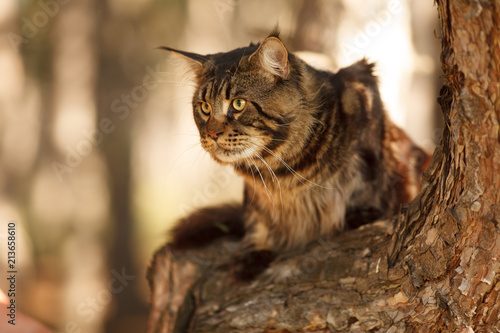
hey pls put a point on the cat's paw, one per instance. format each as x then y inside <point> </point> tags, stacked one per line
<point>361,217</point>
<point>246,266</point>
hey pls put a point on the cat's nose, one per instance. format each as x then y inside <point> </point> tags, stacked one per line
<point>214,135</point>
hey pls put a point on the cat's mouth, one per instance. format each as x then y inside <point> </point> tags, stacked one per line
<point>230,152</point>
<point>230,155</point>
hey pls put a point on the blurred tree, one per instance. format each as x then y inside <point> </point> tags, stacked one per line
<point>122,63</point>
<point>317,26</point>
<point>69,213</point>
<point>438,272</point>
<point>424,83</point>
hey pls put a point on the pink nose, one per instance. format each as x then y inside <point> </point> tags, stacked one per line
<point>214,135</point>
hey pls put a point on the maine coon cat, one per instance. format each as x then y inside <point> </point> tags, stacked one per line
<point>316,150</point>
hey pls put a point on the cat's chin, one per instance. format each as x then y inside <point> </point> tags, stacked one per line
<point>226,156</point>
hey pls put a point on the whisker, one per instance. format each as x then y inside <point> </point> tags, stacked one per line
<point>268,192</point>
<point>299,177</point>
<point>249,167</point>
<point>273,175</point>
<point>188,148</point>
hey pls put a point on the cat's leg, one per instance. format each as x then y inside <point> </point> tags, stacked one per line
<point>205,225</point>
<point>246,266</point>
<point>208,224</point>
<point>255,252</point>
<point>358,217</point>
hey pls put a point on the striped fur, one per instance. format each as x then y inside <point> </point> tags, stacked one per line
<point>312,146</point>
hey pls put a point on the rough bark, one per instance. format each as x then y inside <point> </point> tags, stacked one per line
<point>435,268</point>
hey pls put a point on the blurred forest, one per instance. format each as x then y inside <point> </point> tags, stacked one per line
<point>98,150</point>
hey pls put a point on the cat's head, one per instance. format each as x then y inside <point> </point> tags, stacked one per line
<point>246,101</point>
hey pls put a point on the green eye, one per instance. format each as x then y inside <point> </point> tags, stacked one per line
<point>206,108</point>
<point>239,104</point>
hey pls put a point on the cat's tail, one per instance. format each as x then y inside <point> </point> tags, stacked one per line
<point>208,224</point>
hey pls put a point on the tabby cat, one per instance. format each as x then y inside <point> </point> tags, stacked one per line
<point>316,150</point>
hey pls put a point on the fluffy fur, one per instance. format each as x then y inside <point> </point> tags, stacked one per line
<point>315,148</point>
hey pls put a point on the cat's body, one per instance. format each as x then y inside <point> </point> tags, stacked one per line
<point>315,148</point>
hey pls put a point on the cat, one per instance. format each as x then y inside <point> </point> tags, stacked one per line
<point>316,150</point>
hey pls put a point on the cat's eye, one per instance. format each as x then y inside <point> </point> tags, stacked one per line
<point>239,104</point>
<point>206,108</point>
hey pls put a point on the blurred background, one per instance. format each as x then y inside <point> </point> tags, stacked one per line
<point>98,150</point>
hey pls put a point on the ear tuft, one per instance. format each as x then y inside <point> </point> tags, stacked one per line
<point>274,57</point>
<point>194,60</point>
<point>275,32</point>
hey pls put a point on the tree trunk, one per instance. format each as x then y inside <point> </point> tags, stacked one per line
<point>435,268</point>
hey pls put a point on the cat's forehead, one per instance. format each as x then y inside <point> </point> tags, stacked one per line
<point>224,62</point>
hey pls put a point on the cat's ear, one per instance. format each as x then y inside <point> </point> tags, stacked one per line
<point>273,57</point>
<point>193,60</point>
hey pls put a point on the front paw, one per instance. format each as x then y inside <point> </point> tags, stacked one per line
<point>246,266</point>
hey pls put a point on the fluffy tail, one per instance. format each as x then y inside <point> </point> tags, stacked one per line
<point>207,224</point>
